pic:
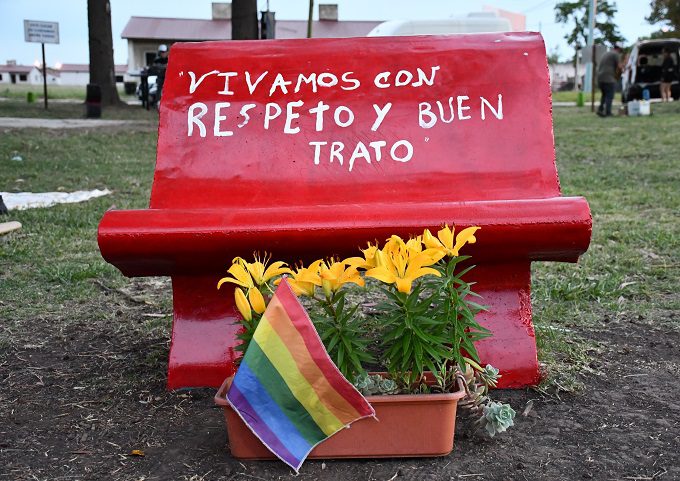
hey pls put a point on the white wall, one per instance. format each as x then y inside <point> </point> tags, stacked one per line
<point>561,73</point>
<point>75,78</point>
<point>7,79</point>
<point>137,50</point>
<point>34,77</point>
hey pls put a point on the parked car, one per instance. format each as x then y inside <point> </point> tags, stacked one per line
<point>643,69</point>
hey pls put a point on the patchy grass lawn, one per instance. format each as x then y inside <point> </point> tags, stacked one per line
<point>72,110</point>
<point>52,261</point>
<point>627,168</point>
<point>18,92</point>
<point>83,350</point>
<point>569,96</point>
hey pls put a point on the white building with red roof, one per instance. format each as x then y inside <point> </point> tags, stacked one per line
<point>79,73</point>
<point>11,73</point>
<point>145,34</point>
<point>60,74</point>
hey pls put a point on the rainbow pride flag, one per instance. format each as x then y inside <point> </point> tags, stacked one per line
<point>287,389</point>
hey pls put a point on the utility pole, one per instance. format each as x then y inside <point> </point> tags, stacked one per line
<point>576,83</point>
<point>588,81</point>
<point>44,69</point>
<point>592,56</point>
<point>309,19</point>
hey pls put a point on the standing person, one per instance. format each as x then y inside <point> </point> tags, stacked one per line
<point>667,75</point>
<point>607,75</point>
<point>160,63</point>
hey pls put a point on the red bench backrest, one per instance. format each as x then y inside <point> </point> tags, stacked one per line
<point>230,187</point>
<point>475,158</point>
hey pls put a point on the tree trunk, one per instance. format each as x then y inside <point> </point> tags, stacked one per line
<point>244,20</point>
<point>102,69</point>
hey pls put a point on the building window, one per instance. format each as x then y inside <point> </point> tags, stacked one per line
<point>119,78</point>
<point>1,78</point>
<point>148,57</point>
<point>22,77</point>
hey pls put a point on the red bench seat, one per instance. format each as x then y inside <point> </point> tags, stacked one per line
<point>218,196</point>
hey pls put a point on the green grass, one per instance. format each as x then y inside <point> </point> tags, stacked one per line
<point>627,168</point>
<point>569,96</point>
<point>49,264</point>
<point>72,110</point>
<point>18,92</point>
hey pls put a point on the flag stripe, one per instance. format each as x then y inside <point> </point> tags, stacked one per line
<point>263,432</point>
<point>291,337</point>
<point>279,355</point>
<point>287,389</point>
<point>299,318</point>
<point>277,388</point>
<point>264,407</point>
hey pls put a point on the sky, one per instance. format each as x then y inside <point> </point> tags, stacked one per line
<point>72,18</point>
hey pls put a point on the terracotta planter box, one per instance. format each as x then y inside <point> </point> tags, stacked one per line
<point>410,425</point>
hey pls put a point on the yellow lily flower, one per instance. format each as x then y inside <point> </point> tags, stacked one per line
<point>466,236</point>
<point>311,273</point>
<point>365,262</point>
<point>445,238</point>
<point>415,244</point>
<point>393,244</point>
<point>337,274</point>
<point>403,266</point>
<point>257,301</point>
<point>242,304</point>
<point>431,242</point>
<point>397,244</point>
<point>259,270</point>
<point>239,276</point>
<point>305,279</point>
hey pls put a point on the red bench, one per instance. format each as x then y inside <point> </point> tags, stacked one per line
<point>306,148</point>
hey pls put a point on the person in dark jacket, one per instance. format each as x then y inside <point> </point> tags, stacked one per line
<point>158,66</point>
<point>607,74</point>
<point>667,75</point>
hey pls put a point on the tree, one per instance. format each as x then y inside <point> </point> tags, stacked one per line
<point>666,12</point>
<point>102,68</point>
<point>554,55</point>
<point>244,20</point>
<point>606,31</point>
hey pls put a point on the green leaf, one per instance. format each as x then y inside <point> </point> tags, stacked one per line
<point>340,306</point>
<point>464,271</point>
<point>476,306</point>
<point>406,341</point>
<point>341,355</point>
<point>333,342</point>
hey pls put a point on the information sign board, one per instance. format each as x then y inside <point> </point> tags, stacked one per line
<point>41,32</point>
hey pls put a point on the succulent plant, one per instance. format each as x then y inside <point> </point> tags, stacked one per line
<point>498,417</point>
<point>371,384</point>
<point>387,386</point>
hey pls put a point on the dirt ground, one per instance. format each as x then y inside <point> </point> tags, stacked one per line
<point>78,396</point>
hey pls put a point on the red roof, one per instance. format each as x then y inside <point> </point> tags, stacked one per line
<point>16,68</point>
<point>197,30</point>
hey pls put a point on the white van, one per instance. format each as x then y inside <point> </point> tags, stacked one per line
<point>477,22</point>
<point>643,69</point>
